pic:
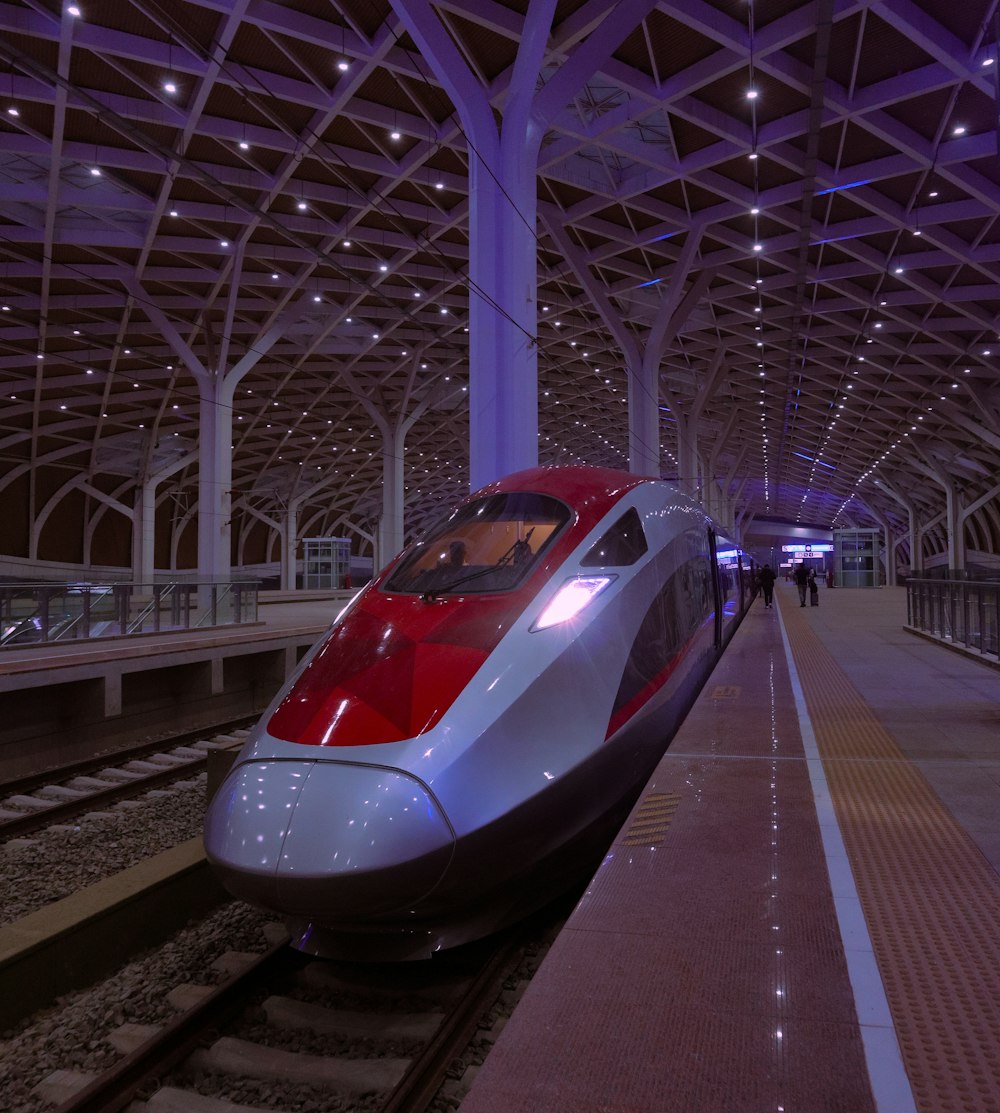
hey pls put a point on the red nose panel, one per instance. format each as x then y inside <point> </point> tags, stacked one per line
<point>392,668</point>
<point>395,664</point>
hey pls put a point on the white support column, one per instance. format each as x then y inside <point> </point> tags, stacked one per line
<point>712,485</point>
<point>503,356</point>
<point>915,533</point>
<point>215,478</point>
<point>289,547</point>
<point>390,527</point>
<point>916,541</point>
<point>952,514</point>
<point>967,511</point>
<point>642,362</point>
<point>890,546</point>
<point>644,417</point>
<point>144,519</point>
<point>954,524</point>
<point>390,533</point>
<point>503,268</point>
<point>144,531</point>
<point>215,433</point>
<point>687,453</point>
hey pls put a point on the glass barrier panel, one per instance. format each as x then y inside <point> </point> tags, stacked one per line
<point>966,612</point>
<point>50,612</point>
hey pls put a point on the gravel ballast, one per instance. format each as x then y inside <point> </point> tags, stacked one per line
<point>72,1034</point>
<point>61,860</point>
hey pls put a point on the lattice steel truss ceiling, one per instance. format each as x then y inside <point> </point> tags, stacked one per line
<point>204,180</point>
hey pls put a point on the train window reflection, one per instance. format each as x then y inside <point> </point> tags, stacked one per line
<point>623,544</point>
<point>487,545</point>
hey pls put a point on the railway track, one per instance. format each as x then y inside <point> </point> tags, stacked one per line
<point>285,1031</point>
<point>281,1032</point>
<point>29,804</point>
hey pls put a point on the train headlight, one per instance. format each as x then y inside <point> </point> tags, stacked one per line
<point>570,599</point>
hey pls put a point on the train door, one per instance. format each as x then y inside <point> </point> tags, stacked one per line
<point>717,592</point>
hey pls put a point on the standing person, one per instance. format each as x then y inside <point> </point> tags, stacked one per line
<point>767,578</point>
<point>802,582</point>
<point>813,588</point>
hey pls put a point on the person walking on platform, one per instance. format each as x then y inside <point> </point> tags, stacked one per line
<point>767,579</point>
<point>813,588</point>
<point>802,582</point>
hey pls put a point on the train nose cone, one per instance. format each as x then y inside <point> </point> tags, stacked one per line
<point>327,840</point>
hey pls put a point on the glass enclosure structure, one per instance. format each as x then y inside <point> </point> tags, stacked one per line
<point>856,557</point>
<point>327,562</point>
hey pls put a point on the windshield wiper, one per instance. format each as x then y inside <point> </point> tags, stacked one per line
<point>430,596</point>
<point>506,559</point>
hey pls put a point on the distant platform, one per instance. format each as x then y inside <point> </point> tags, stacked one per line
<point>60,701</point>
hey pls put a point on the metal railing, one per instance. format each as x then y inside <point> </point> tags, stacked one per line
<point>49,612</point>
<point>966,612</point>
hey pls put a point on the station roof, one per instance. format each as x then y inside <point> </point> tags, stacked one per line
<point>811,190</point>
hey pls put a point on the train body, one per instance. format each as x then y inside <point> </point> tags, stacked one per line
<point>473,728</point>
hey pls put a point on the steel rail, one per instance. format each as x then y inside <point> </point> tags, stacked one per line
<point>145,1066</point>
<point>31,781</point>
<point>425,1074</point>
<point>69,809</point>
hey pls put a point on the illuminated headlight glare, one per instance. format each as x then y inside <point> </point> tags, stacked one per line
<point>570,599</point>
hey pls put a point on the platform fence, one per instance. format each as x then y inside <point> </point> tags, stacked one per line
<point>965,612</point>
<point>54,612</point>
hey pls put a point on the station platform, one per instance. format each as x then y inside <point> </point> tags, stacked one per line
<point>802,914</point>
<point>58,701</point>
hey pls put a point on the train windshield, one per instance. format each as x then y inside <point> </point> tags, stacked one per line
<point>488,545</point>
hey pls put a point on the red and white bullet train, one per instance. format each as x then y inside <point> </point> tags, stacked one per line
<point>473,728</point>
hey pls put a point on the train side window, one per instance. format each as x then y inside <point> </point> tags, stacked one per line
<point>623,544</point>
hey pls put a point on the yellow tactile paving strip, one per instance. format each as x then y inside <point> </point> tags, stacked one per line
<point>651,820</point>
<point>931,900</point>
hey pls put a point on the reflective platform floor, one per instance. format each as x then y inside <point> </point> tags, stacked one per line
<point>803,911</point>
